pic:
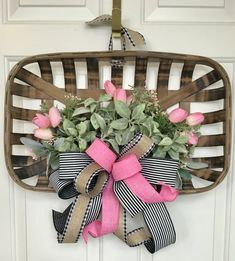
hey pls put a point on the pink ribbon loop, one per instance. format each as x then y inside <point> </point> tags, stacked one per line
<point>102,154</point>
<point>127,169</point>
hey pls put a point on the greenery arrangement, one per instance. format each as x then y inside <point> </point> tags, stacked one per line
<point>116,118</point>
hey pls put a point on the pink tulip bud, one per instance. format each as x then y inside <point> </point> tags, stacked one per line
<point>41,121</point>
<point>44,134</point>
<point>109,88</point>
<point>177,115</point>
<point>120,95</point>
<point>55,117</point>
<point>192,138</point>
<point>195,119</point>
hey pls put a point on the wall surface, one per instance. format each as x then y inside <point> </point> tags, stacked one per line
<point>205,223</point>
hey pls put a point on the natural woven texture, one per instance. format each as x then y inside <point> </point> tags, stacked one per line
<point>23,83</point>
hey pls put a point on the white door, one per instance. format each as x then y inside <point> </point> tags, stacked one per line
<point>205,223</point>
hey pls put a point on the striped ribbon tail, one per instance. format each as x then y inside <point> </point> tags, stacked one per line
<point>156,216</point>
<point>76,167</point>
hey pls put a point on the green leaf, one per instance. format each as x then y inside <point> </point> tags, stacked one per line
<point>82,145</point>
<point>196,165</point>
<point>141,118</point>
<point>138,110</point>
<point>184,174</point>
<point>74,147</point>
<point>89,101</point>
<point>90,136</point>
<point>148,123</point>
<point>58,143</point>
<point>127,135</point>
<point>32,144</point>
<point>82,128</point>
<point>120,124</point>
<point>81,110</point>
<point>144,130</point>
<point>122,109</point>
<point>93,107</point>
<point>182,139</point>
<point>173,154</point>
<point>72,131</point>
<point>159,153</point>
<point>100,120</point>
<point>36,147</point>
<point>166,148</point>
<point>166,141</point>
<point>65,147</point>
<point>155,126</point>
<point>94,122</point>
<point>179,147</point>
<point>68,124</point>
<point>118,138</point>
<point>105,98</point>
<point>54,160</point>
<point>62,145</point>
<point>114,145</point>
<point>82,118</point>
<point>133,128</point>
<point>156,139</point>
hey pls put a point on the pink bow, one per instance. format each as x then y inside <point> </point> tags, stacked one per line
<point>127,169</point>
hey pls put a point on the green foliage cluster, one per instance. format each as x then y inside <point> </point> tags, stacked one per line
<point>116,123</point>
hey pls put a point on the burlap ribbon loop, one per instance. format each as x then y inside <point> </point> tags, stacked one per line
<point>92,182</point>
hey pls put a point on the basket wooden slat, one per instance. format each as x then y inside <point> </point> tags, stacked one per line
<point>163,78</point>
<point>93,73</point>
<point>140,71</point>
<point>213,117</point>
<point>42,88</point>
<point>186,78</point>
<point>69,76</point>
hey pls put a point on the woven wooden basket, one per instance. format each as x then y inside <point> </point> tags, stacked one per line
<point>25,85</point>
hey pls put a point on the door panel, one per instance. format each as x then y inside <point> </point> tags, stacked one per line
<point>204,223</point>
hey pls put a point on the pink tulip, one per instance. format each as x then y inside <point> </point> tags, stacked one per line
<point>177,115</point>
<point>120,95</point>
<point>195,119</point>
<point>109,88</point>
<point>44,134</point>
<point>41,121</point>
<point>55,117</point>
<point>192,138</point>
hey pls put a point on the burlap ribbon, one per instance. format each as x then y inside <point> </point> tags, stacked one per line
<point>81,177</point>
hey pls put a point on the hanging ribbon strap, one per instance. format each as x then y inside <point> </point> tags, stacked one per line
<point>129,179</point>
<point>135,38</point>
